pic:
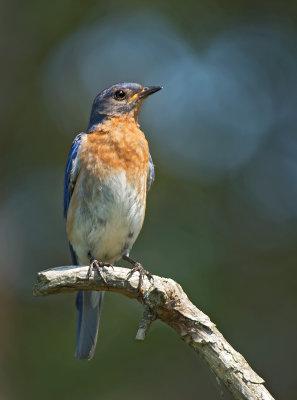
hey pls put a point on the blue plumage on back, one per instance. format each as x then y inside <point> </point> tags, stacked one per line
<point>70,176</point>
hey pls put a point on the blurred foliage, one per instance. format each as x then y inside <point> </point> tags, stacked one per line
<point>221,216</point>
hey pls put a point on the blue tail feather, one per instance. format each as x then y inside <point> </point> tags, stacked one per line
<point>89,305</point>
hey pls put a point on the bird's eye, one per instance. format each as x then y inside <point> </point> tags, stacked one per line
<point>119,95</point>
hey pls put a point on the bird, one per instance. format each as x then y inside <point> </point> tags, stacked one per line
<point>108,173</point>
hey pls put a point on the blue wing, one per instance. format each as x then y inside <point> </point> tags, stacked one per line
<point>71,172</point>
<point>150,174</point>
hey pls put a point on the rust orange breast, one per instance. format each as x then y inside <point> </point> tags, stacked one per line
<point>118,144</point>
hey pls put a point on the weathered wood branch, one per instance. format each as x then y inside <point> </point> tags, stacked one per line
<point>164,299</point>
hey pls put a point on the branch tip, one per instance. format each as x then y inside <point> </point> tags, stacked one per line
<point>147,319</point>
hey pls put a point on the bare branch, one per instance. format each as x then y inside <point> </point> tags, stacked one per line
<point>164,299</point>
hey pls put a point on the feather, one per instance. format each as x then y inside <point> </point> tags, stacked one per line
<point>71,171</point>
<point>89,305</point>
<point>150,173</point>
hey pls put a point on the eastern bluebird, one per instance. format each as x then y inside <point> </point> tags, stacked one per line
<point>108,173</point>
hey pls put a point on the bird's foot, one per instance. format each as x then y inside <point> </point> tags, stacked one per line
<point>138,268</point>
<point>98,266</point>
<point>142,272</point>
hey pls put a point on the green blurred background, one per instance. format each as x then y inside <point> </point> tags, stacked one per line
<point>222,213</point>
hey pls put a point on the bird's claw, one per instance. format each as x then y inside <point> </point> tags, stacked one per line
<point>98,266</point>
<point>142,272</point>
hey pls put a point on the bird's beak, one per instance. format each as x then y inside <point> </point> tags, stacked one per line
<point>147,91</point>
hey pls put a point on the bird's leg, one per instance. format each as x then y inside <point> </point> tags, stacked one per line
<point>97,266</point>
<point>138,268</point>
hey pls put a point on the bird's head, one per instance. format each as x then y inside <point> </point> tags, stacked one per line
<point>119,100</point>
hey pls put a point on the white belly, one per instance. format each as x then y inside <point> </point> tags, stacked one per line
<point>107,219</point>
